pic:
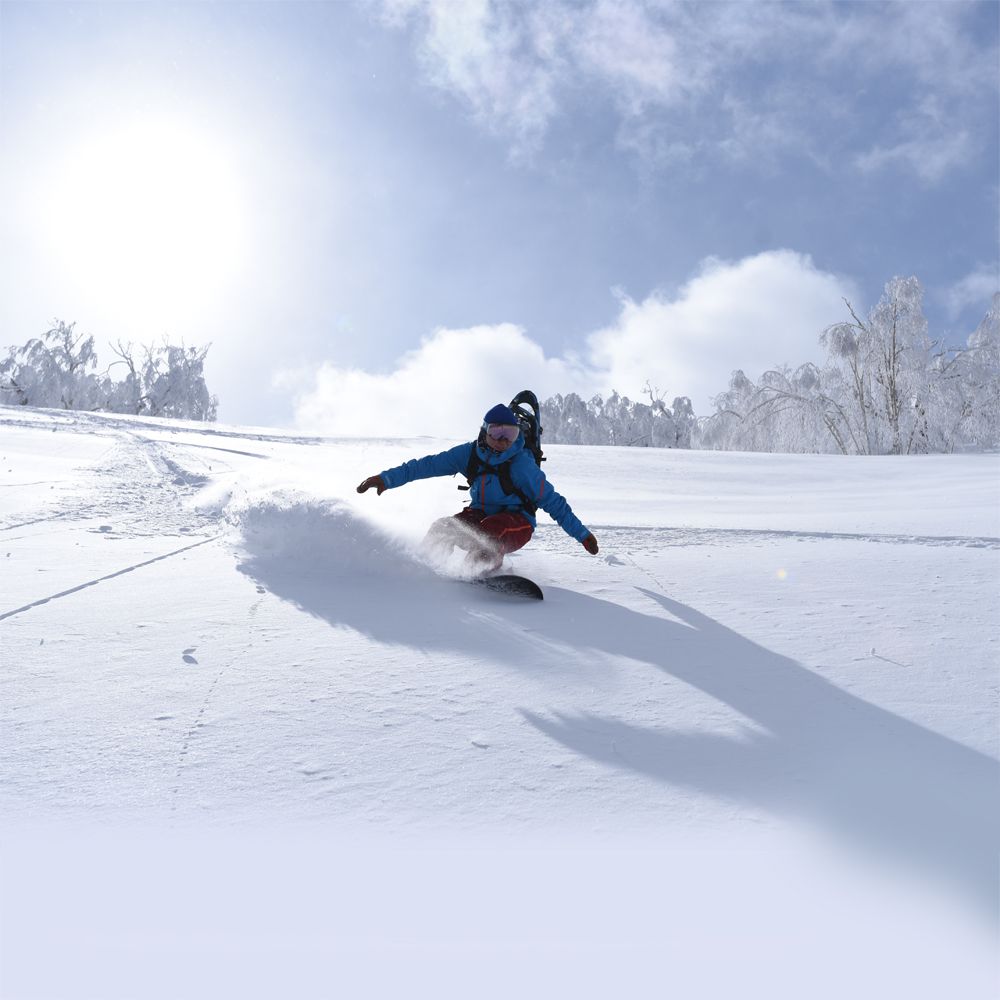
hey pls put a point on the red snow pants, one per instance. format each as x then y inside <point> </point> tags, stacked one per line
<point>488,537</point>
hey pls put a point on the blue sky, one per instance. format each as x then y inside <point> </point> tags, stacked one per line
<point>361,205</point>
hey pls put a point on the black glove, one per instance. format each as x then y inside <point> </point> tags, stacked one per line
<point>373,483</point>
<point>590,544</point>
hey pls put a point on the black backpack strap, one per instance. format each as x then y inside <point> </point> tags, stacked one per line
<point>507,485</point>
<point>475,463</point>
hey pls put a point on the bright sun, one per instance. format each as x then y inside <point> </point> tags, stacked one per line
<point>150,213</point>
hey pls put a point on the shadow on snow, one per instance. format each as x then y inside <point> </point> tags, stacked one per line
<point>826,756</point>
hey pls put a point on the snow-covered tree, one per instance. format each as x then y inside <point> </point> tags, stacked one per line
<point>54,370</point>
<point>880,370</point>
<point>127,395</point>
<point>57,370</point>
<point>174,384</point>
<point>966,410</point>
<point>618,420</point>
<point>685,424</point>
<point>567,420</point>
<point>886,388</point>
<point>785,411</point>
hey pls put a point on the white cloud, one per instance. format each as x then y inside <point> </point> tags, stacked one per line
<point>500,60</point>
<point>752,314</point>
<point>638,56</point>
<point>442,388</point>
<point>517,66</point>
<point>935,45</point>
<point>976,289</point>
<point>513,65</point>
<point>927,139</point>
<point>930,157</point>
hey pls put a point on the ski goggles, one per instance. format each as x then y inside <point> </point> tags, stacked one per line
<point>503,432</point>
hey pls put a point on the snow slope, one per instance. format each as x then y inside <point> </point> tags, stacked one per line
<point>252,744</point>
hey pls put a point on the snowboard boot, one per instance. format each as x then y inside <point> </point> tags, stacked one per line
<point>483,560</point>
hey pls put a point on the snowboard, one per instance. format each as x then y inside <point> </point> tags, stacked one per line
<point>510,584</point>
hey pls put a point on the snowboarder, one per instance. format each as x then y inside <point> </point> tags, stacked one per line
<point>507,487</point>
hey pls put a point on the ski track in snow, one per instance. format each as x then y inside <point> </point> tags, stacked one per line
<point>101,579</point>
<point>137,488</point>
<point>136,491</point>
<point>656,539</point>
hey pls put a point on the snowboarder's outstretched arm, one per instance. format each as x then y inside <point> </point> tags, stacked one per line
<point>445,463</point>
<point>557,507</point>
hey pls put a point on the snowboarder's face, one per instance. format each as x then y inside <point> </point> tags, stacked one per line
<point>499,437</point>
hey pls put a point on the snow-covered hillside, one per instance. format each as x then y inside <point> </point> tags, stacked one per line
<point>252,745</point>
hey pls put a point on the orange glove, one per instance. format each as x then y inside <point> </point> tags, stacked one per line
<point>590,544</point>
<point>373,483</point>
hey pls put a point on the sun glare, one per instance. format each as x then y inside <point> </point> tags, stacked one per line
<point>150,214</point>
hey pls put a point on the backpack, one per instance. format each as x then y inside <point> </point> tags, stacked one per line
<point>530,421</point>
<point>525,405</point>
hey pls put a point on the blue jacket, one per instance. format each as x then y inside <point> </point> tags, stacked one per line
<point>486,493</point>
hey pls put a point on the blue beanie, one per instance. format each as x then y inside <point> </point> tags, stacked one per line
<point>501,414</point>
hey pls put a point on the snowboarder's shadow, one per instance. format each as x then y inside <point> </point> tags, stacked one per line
<point>818,753</point>
<point>411,607</point>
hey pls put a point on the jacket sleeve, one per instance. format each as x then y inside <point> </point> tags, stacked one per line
<point>554,504</point>
<point>445,463</point>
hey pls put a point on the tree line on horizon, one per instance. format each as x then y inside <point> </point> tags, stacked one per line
<point>59,370</point>
<point>885,388</point>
